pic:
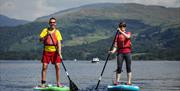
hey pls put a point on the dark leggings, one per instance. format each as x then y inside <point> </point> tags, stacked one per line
<point>120,59</point>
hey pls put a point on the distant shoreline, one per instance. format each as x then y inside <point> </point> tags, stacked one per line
<point>86,60</point>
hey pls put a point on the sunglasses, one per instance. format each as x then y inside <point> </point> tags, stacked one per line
<point>123,26</point>
<point>52,22</point>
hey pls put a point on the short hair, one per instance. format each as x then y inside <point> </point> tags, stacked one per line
<point>52,18</point>
<point>122,24</point>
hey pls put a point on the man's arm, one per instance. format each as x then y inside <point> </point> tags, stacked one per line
<point>59,48</point>
<point>43,35</point>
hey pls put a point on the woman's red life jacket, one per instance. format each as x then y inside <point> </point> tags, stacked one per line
<point>48,41</point>
<point>123,42</point>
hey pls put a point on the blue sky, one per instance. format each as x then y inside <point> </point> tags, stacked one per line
<point>32,9</point>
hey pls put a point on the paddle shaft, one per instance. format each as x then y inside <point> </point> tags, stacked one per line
<point>61,58</point>
<point>106,60</point>
<point>66,70</point>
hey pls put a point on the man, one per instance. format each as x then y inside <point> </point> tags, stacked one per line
<point>123,48</point>
<point>51,38</point>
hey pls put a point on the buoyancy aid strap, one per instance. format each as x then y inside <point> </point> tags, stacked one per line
<point>51,38</point>
<point>56,46</point>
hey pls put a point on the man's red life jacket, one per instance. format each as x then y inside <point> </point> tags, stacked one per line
<point>51,41</point>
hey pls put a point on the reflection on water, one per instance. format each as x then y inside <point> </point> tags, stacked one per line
<point>149,75</point>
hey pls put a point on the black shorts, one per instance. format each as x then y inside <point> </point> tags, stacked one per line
<point>120,59</point>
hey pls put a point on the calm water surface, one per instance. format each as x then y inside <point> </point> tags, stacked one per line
<point>149,75</point>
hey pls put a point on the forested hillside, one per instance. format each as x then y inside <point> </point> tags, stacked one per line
<point>89,30</point>
<point>6,21</point>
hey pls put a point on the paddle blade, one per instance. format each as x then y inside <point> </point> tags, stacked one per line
<point>73,86</point>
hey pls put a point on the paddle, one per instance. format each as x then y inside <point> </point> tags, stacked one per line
<point>106,61</point>
<point>72,85</point>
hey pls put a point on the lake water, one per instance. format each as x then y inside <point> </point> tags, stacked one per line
<point>149,75</point>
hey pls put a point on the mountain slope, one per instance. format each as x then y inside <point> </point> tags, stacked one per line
<point>88,31</point>
<point>6,21</point>
<point>153,15</point>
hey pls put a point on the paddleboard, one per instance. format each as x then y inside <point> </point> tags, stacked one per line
<point>51,88</point>
<point>123,87</point>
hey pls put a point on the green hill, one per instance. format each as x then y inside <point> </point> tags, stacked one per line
<point>6,21</point>
<point>88,32</point>
<point>153,15</point>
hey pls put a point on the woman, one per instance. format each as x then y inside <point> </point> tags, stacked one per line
<point>122,46</point>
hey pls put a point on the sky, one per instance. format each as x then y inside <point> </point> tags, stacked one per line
<point>32,9</point>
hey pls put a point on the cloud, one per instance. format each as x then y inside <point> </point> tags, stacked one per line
<point>42,8</point>
<point>25,9</point>
<point>6,6</point>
